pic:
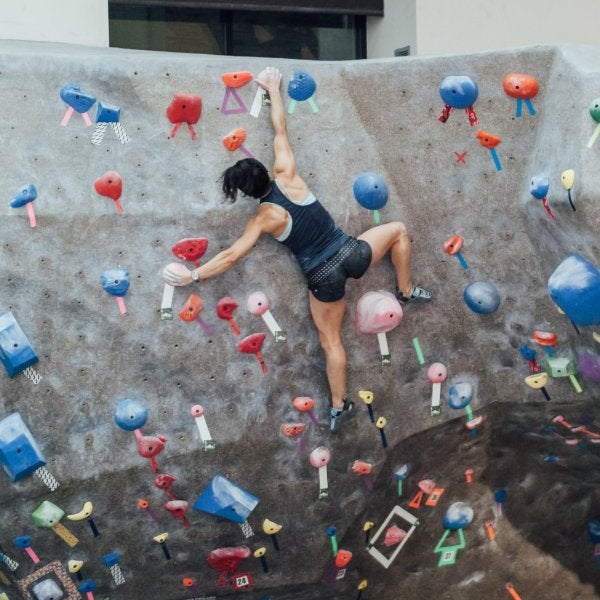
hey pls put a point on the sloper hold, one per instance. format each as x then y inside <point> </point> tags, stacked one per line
<point>130,415</point>
<point>225,499</point>
<point>16,353</point>
<point>19,453</point>
<point>76,98</point>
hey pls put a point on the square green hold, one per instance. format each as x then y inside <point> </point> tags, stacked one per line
<point>47,514</point>
<point>560,366</point>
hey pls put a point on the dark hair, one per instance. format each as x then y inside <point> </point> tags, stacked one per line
<point>248,175</point>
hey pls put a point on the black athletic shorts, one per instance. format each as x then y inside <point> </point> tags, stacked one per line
<point>327,282</point>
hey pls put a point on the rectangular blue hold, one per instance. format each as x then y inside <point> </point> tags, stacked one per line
<point>19,453</point>
<point>16,353</point>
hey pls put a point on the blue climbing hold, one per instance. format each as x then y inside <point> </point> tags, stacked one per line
<point>482,297</point>
<point>225,499</point>
<point>301,86</point>
<point>593,530</point>
<point>130,415</point>
<point>458,516</point>
<point>19,453</point>
<point>500,496</point>
<point>16,353</point>
<point>111,559</point>
<point>23,541</point>
<point>527,353</point>
<point>370,190</point>
<point>574,286</point>
<point>538,186</point>
<point>458,91</point>
<point>24,196</point>
<point>87,586</point>
<point>115,281</point>
<point>76,98</point>
<point>460,395</point>
<point>108,113</point>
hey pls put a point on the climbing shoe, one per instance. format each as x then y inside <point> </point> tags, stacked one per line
<point>338,415</point>
<point>418,294</point>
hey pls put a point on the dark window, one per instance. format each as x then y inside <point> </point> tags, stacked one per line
<point>237,32</point>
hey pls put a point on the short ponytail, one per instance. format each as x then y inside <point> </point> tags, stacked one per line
<point>248,175</point>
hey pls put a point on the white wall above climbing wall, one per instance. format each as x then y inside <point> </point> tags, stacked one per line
<point>462,26</point>
<point>466,26</point>
<point>71,21</point>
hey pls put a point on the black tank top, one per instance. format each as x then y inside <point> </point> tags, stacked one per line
<point>314,236</point>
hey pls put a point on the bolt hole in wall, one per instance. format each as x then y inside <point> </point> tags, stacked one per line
<point>148,25</point>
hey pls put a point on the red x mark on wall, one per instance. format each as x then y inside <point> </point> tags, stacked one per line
<point>460,158</point>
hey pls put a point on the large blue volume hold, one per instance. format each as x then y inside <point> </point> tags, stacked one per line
<point>575,288</point>
<point>76,98</point>
<point>19,453</point>
<point>16,353</point>
<point>227,500</point>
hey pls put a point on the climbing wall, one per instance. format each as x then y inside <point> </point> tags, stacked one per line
<point>220,501</point>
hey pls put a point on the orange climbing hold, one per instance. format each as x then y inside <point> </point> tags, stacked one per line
<point>488,140</point>
<point>292,429</point>
<point>520,85</point>
<point>453,244</point>
<point>233,140</point>
<point>237,79</point>
<point>191,309</point>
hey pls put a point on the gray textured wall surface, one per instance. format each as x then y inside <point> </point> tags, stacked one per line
<point>373,116</point>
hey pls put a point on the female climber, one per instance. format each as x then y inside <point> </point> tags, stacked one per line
<point>327,256</point>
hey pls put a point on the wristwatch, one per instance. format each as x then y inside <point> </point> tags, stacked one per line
<point>195,275</point>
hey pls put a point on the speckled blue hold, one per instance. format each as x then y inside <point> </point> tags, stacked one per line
<point>24,196</point>
<point>482,297</point>
<point>458,516</point>
<point>302,86</point>
<point>130,415</point>
<point>460,395</point>
<point>574,286</point>
<point>115,281</point>
<point>538,186</point>
<point>370,190</point>
<point>107,113</point>
<point>459,91</point>
<point>76,98</point>
<point>593,530</point>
